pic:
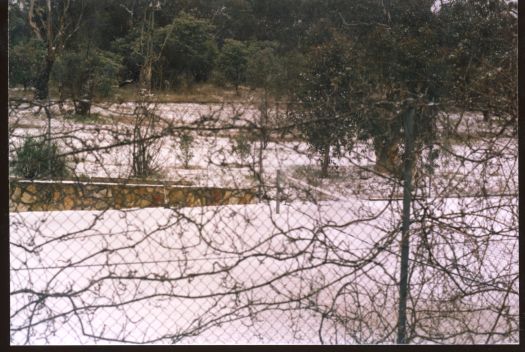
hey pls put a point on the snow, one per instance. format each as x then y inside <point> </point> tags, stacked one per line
<point>123,256</point>
<point>215,163</point>
<point>324,267</point>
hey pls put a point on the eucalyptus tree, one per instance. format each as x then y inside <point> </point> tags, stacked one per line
<point>53,23</point>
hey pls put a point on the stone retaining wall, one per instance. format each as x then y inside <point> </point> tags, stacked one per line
<point>71,195</point>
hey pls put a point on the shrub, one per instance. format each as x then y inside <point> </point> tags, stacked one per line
<point>39,159</point>
<point>232,62</point>
<point>146,146</point>
<point>25,62</point>
<point>186,141</point>
<point>242,146</point>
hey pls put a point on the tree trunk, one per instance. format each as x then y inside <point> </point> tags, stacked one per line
<point>42,81</point>
<point>325,162</point>
<point>405,235</point>
<point>145,75</point>
<point>263,143</point>
<point>388,160</point>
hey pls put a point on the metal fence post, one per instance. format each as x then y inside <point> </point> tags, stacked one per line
<point>407,191</point>
<point>48,137</point>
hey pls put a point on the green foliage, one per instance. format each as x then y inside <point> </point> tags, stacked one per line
<point>93,118</point>
<point>39,159</point>
<point>479,50</point>
<point>132,60</point>
<point>292,64</point>
<point>25,62</point>
<point>87,74</point>
<point>264,66</point>
<point>185,144</point>
<point>53,24</point>
<point>236,20</point>
<point>232,61</point>
<point>188,48</point>
<point>19,31</point>
<point>242,146</point>
<point>325,97</point>
<point>463,55</point>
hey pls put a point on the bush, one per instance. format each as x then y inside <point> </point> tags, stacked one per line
<point>84,76</point>
<point>39,159</point>
<point>189,52</point>
<point>232,62</point>
<point>242,146</point>
<point>186,141</point>
<point>25,62</point>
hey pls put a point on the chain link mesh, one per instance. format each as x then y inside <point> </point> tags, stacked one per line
<point>211,224</point>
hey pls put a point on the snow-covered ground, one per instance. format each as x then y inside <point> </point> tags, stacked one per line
<point>101,149</point>
<point>323,268</point>
<point>245,274</point>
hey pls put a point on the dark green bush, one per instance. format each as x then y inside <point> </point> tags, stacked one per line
<point>186,141</point>
<point>39,159</point>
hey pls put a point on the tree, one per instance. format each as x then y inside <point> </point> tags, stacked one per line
<point>234,19</point>
<point>232,62</point>
<point>434,61</point>
<point>405,71</point>
<point>53,23</point>
<point>363,88</point>
<point>25,61</point>
<point>26,53</point>
<point>324,96</point>
<point>147,45</point>
<point>190,51</point>
<point>480,41</point>
<point>85,75</point>
<point>132,59</point>
<point>264,68</point>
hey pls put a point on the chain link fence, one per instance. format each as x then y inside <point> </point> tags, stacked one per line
<point>162,223</point>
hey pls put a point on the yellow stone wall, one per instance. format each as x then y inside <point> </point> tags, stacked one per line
<point>48,196</point>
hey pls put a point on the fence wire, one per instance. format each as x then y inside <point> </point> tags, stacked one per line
<point>214,224</point>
